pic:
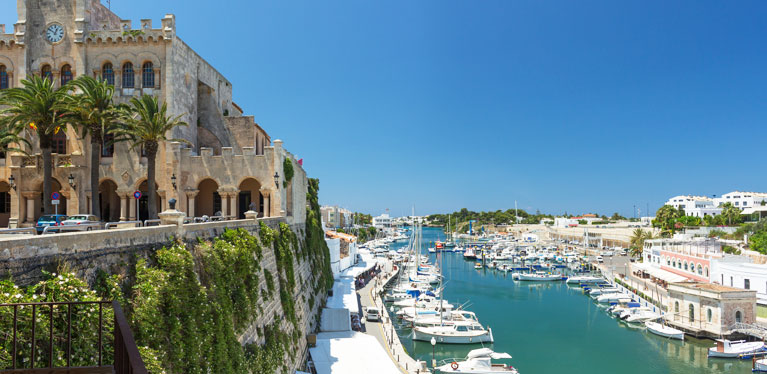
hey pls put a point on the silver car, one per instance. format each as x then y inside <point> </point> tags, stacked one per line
<point>84,222</point>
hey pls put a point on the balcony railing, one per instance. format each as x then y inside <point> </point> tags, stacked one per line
<point>67,325</point>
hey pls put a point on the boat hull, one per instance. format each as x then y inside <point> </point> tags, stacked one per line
<point>665,332</point>
<point>420,335</point>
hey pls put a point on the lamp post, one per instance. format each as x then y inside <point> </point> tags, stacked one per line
<point>71,180</point>
<point>433,348</point>
<point>12,182</point>
<point>277,179</point>
<point>173,180</point>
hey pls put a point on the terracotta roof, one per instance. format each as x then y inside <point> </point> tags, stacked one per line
<point>709,287</point>
<point>340,235</point>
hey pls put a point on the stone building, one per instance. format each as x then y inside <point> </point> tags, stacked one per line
<point>228,164</point>
<point>707,309</point>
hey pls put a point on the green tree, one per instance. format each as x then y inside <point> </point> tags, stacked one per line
<point>758,242</point>
<point>145,125</point>
<point>731,214</point>
<point>36,106</point>
<point>637,240</point>
<point>91,108</point>
<point>665,218</point>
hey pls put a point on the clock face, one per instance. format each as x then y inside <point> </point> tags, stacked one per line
<point>54,33</point>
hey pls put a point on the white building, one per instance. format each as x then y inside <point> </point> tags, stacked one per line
<point>383,221</point>
<point>695,206</point>
<point>565,222</point>
<point>741,272</point>
<point>742,200</point>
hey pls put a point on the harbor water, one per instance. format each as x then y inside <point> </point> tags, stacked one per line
<point>549,327</point>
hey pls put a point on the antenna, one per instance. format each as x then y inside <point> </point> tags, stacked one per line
<point>109,4</point>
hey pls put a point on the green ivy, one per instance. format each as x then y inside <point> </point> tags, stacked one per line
<point>287,170</point>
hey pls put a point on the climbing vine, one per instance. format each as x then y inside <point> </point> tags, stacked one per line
<point>287,170</point>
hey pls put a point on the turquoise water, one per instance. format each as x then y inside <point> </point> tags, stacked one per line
<point>550,327</point>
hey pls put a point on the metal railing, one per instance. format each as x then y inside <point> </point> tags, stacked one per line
<point>22,230</point>
<point>127,359</point>
<point>153,222</point>
<point>116,224</point>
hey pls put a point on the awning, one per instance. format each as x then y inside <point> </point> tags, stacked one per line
<point>659,273</point>
<point>344,296</point>
<point>350,352</point>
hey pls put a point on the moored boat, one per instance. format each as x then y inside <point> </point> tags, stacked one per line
<point>733,349</point>
<point>454,334</point>
<point>540,277</point>
<point>663,330</point>
<point>478,361</point>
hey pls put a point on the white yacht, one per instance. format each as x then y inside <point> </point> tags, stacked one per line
<point>454,334</point>
<point>639,315</point>
<point>664,330</point>
<point>478,361</point>
<point>584,279</point>
<point>613,297</point>
<point>733,349</point>
<point>539,277</point>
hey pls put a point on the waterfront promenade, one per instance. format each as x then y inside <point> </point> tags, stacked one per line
<point>384,331</point>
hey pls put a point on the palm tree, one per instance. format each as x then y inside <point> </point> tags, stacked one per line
<point>145,125</point>
<point>92,109</point>
<point>36,105</point>
<point>638,238</point>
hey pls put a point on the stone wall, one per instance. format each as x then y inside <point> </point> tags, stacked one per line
<point>116,250</point>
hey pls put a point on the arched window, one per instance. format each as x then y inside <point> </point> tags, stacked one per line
<point>60,142</point>
<point>673,264</point>
<point>128,76</point>
<point>45,72</point>
<point>706,271</point>
<point>108,73</point>
<point>3,77</point>
<point>692,313</point>
<point>676,307</point>
<point>66,74</point>
<point>685,266</point>
<point>709,315</point>
<point>700,269</point>
<point>147,75</point>
<point>738,316</point>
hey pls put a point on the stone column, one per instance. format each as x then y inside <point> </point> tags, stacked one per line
<point>190,195</point>
<point>30,197</point>
<point>132,209</point>
<point>123,207</point>
<point>224,203</point>
<point>233,204</point>
<point>265,192</point>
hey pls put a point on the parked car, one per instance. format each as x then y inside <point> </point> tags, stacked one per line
<point>49,220</point>
<point>600,259</point>
<point>87,222</point>
<point>373,314</point>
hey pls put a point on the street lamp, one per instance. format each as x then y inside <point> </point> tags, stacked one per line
<point>72,181</point>
<point>277,179</point>
<point>12,182</point>
<point>173,180</point>
<point>433,347</point>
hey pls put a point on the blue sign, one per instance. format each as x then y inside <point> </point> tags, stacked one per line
<point>55,196</point>
<point>137,194</point>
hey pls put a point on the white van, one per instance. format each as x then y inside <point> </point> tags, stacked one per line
<point>373,314</point>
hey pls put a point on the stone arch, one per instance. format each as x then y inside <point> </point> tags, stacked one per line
<point>691,312</point>
<point>40,62</point>
<point>55,187</point>
<point>124,57</point>
<point>109,200</point>
<point>143,57</point>
<point>5,203</point>
<point>208,201</point>
<point>706,271</point>
<point>249,196</point>
<point>738,316</point>
<point>64,60</point>
<point>143,204</point>
<point>8,64</point>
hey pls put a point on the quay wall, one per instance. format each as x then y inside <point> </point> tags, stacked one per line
<point>116,251</point>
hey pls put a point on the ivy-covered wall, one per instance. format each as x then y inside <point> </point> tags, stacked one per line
<point>241,302</point>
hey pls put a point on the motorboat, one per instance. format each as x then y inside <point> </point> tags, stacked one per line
<point>540,277</point>
<point>664,330</point>
<point>622,306</point>
<point>469,254</point>
<point>734,348</point>
<point>760,365</point>
<point>578,279</point>
<point>612,297</point>
<point>454,334</point>
<point>599,291</point>
<point>479,361</point>
<point>639,315</point>
<point>478,265</point>
<point>450,317</point>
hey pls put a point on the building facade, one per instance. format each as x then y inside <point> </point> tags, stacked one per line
<point>706,309</point>
<point>695,206</point>
<point>743,200</point>
<point>227,165</point>
<point>690,257</point>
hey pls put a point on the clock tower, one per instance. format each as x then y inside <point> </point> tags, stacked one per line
<point>53,34</point>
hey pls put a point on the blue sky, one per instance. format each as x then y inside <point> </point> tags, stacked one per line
<point>577,106</point>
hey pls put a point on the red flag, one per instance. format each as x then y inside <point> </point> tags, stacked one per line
<point>301,162</point>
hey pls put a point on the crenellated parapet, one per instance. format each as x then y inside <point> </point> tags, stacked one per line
<point>10,40</point>
<point>127,34</point>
